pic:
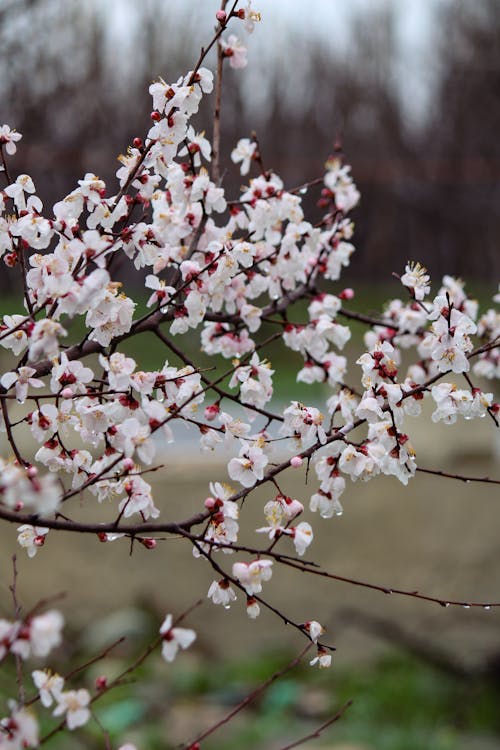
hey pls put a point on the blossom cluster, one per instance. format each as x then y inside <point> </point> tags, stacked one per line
<point>237,276</point>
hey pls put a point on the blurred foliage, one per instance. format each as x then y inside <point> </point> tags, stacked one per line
<point>399,703</point>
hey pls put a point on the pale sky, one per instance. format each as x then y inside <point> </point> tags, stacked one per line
<point>282,20</point>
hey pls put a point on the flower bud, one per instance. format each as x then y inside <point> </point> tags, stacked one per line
<point>101,682</point>
<point>211,412</point>
<point>210,503</point>
<point>128,464</point>
<point>253,609</point>
<point>347,293</point>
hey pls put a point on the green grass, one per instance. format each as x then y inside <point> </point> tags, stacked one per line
<point>399,703</point>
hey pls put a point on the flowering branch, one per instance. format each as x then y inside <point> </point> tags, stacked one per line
<point>241,274</point>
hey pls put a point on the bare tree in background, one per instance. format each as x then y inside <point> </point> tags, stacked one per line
<point>430,193</point>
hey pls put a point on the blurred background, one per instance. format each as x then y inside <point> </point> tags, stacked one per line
<point>411,89</point>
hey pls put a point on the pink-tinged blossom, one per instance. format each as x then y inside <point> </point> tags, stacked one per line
<point>83,294</point>
<point>278,513</point>
<point>161,291</point>
<point>253,608</point>
<point>323,658</point>
<point>244,253</point>
<point>314,629</point>
<point>8,635</point>
<point>355,463</point>
<point>339,181</point>
<point>379,364</point>
<point>235,51</point>
<point>9,138</point>
<point>204,79</point>
<point>31,538</point>
<point>254,381</point>
<point>16,341</point>
<point>119,368</point>
<point>302,536</point>
<point>304,423</point>
<point>203,189</point>
<point>417,280</point>
<point>73,704</point>
<point>47,420</point>
<point>174,638</point>
<point>244,153</point>
<point>251,316</point>
<point>454,290</point>
<point>449,342</point>
<point>220,592</point>
<point>49,685</point>
<point>43,342</point>
<point>92,188</point>
<point>41,494</point>
<point>36,231</point>
<point>249,467</point>
<point>111,316</point>
<point>19,730</point>
<point>23,184</point>
<point>452,402</point>
<point>370,407</point>
<point>198,146</point>
<point>345,402</point>
<point>324,304</point>
<point>218,338</point>
<point>251,17</point>
<point>45,632</point>
<point>139,499</point>
<point>327,502</point>
<point>251,575</point>
<point>50,276</point>
<point>22,378</point>
<point>223,527</point>
<point>70,373</point>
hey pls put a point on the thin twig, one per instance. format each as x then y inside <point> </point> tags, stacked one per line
<point>461,477</point>
<point>250,697</point>
<point>317,732</point>
<point>218,98</point>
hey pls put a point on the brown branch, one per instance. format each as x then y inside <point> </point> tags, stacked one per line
<point>308,566</point>
<point>362,318</point>
<point>131,530</point>
<point>218,98</point>
<point>120,678</point>
<point>17,612</point>
<point>218,569</point>
<point>460,477</point>
<point>250,697</point>
<point>317,733</point>
<point>10,436</point>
